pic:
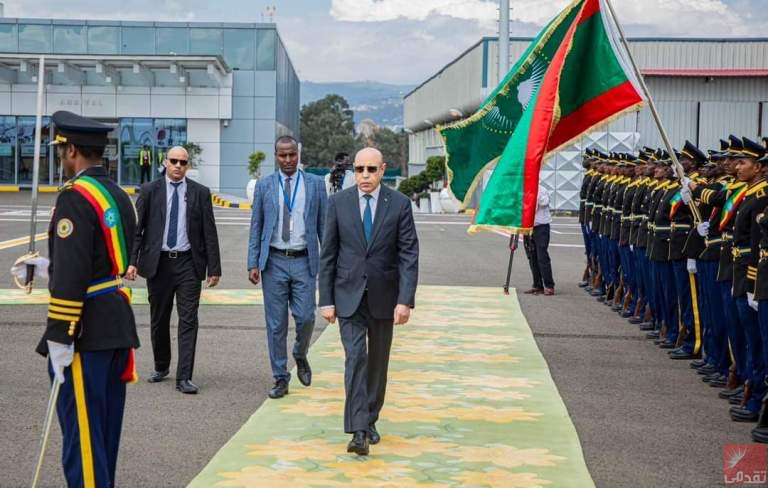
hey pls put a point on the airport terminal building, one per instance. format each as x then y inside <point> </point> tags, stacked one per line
<point>704,89</point>
<point>228,87</point>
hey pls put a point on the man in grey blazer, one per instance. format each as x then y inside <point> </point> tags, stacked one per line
<point>283,248</point>
<point>369,268</point>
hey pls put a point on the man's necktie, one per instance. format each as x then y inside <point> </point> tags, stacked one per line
<point>286,211</point>
<point>173,221</point>
<point>367,218</point>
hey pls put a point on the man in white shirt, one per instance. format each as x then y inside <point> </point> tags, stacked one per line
<point>536,248</point>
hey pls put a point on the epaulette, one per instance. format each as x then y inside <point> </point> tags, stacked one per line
<point>66,186</point>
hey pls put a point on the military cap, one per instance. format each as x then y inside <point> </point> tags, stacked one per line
<point>693,153</point>
<point>735,146</point>
<point>752,149</point>
<point>80,131</point>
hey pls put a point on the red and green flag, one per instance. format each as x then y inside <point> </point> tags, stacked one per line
<point>587,82</point>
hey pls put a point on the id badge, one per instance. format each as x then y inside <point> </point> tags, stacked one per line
<point>290,224</point>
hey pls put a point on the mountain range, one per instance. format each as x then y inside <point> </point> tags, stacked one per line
<point>380,102</point>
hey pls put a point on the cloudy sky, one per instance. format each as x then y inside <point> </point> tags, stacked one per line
<point>404,41</point>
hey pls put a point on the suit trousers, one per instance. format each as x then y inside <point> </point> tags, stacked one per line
<point>175,278</point>
<point>287,283</point>
<point>146,173</point>
<point>90,410</point>
<point>367,342</point>
<point>734,329</point>
<point>754,352</point>
<point>713,316</point>
<point>688,305</point>
<point>536,249</point>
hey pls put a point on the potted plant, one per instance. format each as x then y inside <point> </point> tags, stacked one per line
<point>254,163</point>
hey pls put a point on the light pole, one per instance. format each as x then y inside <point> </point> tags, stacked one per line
<point>503,38</point>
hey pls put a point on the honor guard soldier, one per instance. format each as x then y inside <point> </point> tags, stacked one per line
<point>91,332</point>
<point>589,174</point>
<point>760,433</point>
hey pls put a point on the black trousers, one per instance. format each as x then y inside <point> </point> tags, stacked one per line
<point>175,278</point>
<point>146,173</point>
<point>367,342</point>
<point>536,249</point>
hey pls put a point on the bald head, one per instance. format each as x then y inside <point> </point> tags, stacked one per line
<point>369,169</point>
<point>177,152</point>
<point>176,163</point>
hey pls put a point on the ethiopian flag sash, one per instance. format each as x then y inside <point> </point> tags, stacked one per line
<point>675,203</point>
<point>109,217</point>
<point>588,82</point>
<point>732,204</point>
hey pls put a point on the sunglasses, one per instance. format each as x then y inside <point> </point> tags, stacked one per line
<point>182,162</point>
<point>370,169</point>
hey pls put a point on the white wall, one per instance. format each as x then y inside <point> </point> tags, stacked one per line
<point>207,133</point>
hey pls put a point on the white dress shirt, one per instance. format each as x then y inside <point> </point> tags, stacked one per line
<point>361,197</point>
<point>298,240</point>
<point>542,208</point>
<point>182,241</point>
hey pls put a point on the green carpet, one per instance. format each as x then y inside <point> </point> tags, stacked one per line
<point>219,296</point>
<point>470,402</point>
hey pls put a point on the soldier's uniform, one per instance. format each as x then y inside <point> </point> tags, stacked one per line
<point>760,433</point>
<point>89,243</point>
<point>583,222</point>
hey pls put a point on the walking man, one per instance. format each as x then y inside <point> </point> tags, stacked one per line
<point>283,250</point>
<point>368,273</point>
<point>537,248</point>
<point>176,246</point>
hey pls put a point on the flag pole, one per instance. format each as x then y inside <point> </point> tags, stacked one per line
<point>678,168</point>
<point>512,248</point>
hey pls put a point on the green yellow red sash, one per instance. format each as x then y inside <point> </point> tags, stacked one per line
<point>732,204</point>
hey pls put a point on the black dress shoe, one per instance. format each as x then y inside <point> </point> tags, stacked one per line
<point>157,376</point>
<point>303,371</point>
<point>279,390</point>
<point>760,434</point>
<point>713,377</point>
<point>706,370</point>
<point>588,289</point>
<point>647,327</point>
<point>667,345</point>
<point>186,386</point>
<point>373,434</point>
<point>726,394</point>
<point>626,314</point>
<point>739,414</point>
<point>683,355</point>
<point>600,298</point>
<point>581,284</point>
<point>359,443</point>
<point>719,383</point>
<point>736,399</point>
<point>698,363</point>
<point>635,320</point>
<point>653,335</point>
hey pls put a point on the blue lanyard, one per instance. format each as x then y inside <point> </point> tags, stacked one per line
<point>295,191</point>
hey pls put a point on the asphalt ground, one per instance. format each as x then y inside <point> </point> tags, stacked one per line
<point>643,419</point>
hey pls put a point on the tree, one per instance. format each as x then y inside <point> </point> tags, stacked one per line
<point>393,146</point>
<point>194,151</point>
<point>327,127</point>
<point>254,162</point>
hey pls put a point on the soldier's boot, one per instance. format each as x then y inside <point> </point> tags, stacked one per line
<point>760,433</point>
<point>584,278</point>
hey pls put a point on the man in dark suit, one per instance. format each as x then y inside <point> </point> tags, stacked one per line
<point>283,249</point>
<point>175,244</point>
<point>369,268</point>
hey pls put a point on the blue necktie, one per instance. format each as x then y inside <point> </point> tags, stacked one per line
<point>173,221</point>
<point>367,218</point>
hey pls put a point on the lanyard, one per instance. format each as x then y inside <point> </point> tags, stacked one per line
<point>295,191</point>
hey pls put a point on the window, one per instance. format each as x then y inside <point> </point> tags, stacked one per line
<point>103,40</point>
<point>138,40</point>
<point>265,49</point>
<point>34,38</point>
<point>135,134</point>
<point>172,40</point>
<point>69,39</point>
<point>26,137</point>
<point>239,47</point>
<point>169,133</point>
<point>9,38</point>
<point>8,130</point>
<point>204,41</point>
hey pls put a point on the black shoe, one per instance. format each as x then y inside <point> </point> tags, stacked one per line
<point>712,377</point>
<point>588,289</point>
<point>760,434</point>
<point>157,376</point>
<point>616,307</point>
<point>667,345</point>
<point>581,284</point>
<point>707,370</point>
<point>186,386</point>
<point>719,383</point>
<point>698,363</point>
<point>739,414</point>
<point>635,320</point>
<point>303,371</point>
<point>626,314</point>
<point>736,399</point>
<point>653,335</point>
<point>373,434</point>
<point>726,394</point>
<point>359,443</point>
<point>683,355</point>
<point>647,327</point>
<point>279,390</point>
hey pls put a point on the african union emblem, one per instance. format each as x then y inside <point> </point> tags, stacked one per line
<point>111,217</point>
<point>496,120</point>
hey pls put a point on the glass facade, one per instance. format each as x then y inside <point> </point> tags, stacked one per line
<point>172,40</point>
<point>103,40</point>
<point>138,40</point>
<point>34,38</point>
<point>69,39</point>
<point>153,135</point>
<point>25,136</point>
<point>9,38</point>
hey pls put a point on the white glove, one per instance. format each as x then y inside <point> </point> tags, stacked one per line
<point>685,193</point>
<point>703,229</point>
<point>41,263</point>
<point>632,248</point>
<point>61,356</point>
<point>751,301</point>
<point>691,265</point>
<point>685,181</point>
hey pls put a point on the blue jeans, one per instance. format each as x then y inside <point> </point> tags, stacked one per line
<point>287,283</point>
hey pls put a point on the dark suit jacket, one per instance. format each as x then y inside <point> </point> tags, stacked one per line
<point>388,266</point>
<point>201,229</point>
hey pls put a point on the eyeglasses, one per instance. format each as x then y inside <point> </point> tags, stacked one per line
<point>370,169</point>
<point>174,161</point>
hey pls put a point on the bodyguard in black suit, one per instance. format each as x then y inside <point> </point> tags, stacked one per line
<point>175,246</point>
<point>369,267</point>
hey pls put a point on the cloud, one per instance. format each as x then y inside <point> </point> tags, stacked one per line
<point>384,10</point>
